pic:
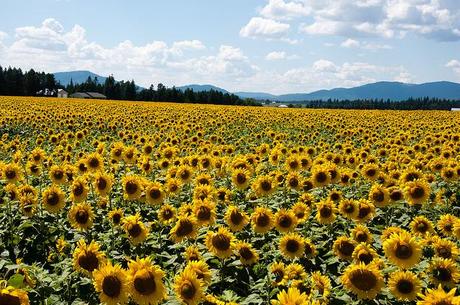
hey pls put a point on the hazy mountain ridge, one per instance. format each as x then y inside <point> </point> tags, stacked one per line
<point>385,90</point>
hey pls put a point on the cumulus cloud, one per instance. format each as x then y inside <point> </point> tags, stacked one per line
<point>275,55</point>
<point>352,43</point>
<point>434,19</point>
<point>455,66</point>
<point>50,47</point>
<point>279,9</point>
<point>259,27</point>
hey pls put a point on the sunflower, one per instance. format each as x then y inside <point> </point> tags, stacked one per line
<point>321,283</point>
<point>348,208</point>
<point>204,211</point>
<point>202,192</point>
<point>79,190</point>
<point>301,211</point>
<point>246,253</point>
<point>320,176</point>
<point>285,221</point>
<point>295,271</point>
<point>402,250</point>
<point>235,218</point>
<point>111,283</point>
<point>132,187</point>
<point>293,181</point>
<point>192,253</point>
<point>262,220</point>
<point>379,195</point>
<point>395,194</point>
<point>33,169</point>
<point>188,288</point>
<point>12,173</point>
<point>278,272</point>
<point>292,296</point>
<point>53,199</point>
<point>363,253</point>
<point>12,296</point>
<point>421,225</point>
<point>28,203</point>
<point>404,285</point>
<point>135,229</point>
<point>361,234</point>
<point>103,183</point>
<point>264,186</point>
<point>57,174</point>
<point>154,193</point>
<point>116,216</point>
<point>417,191</point>
<point>87,258</point>
<point>185,227</point>
<point>81,216</point>
<point>370,171</point>
<point>167,214</point>
<point>145,282</point>
<point>240,178</point>
<point>446,224</point>
<point>184,173</point>
<point>292,245</point>
<point>172,186</point>
<point>366,210</point>
<point>220,243</point>
<point>325,212</point>
<point>366,281</point>
<point>310,248</point>
<point>444,271</point>
<point>94,162</point>
<point>439,297</point>
<point>343,247</point>
<point>445,248</point>
<point>201,270</point>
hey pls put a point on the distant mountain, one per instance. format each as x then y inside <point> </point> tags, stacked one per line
<point>394,91</point>
<point>78,77</point>
<point>199,88</point>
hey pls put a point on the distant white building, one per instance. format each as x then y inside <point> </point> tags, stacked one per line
<point>62,93</point>
<point>455,109</point>
<point>282,106</point>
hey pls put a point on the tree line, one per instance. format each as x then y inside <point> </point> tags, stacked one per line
<point>425,103</point>
<point>14,81</point>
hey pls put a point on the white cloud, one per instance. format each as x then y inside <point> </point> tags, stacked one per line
<point>454,65</point>
<point>352,43</point>
<point>49,47</point>
<point>275,55</point>
<point>279,9</point>
<point>434,19</point>
<point>259,27</point>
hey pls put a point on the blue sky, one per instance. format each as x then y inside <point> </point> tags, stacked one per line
<point>275,46</point>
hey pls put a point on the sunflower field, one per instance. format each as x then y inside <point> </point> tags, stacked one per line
<point>105,202</point>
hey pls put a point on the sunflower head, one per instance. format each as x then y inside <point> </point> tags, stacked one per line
<point>111,283</point>
<point>188,288</point>
<point>135,229</point>
<point>366,281</point>
<point>87,258</point>
<point>404,285</point>
<point>235,218</point>
<point>292,245</point>
<point>145,281</point>
<point>402,250</point>
<point>220,243</point>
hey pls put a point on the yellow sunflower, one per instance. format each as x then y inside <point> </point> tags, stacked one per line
<point>103,183</point>
<point>81,216</point>
<point>246,253</point>
<point>132,187</point>
<point>12,296</point>
<point>167,214</point>
<point>292,296</point>
<point>240,178</point>
<point>285,221</point>
<point>135,229</point>
<point>278,272</point>
<point>154,193</point>
<point>264,186</point>
<point>326,212</point>
<point>444,271</point>
<point>145,282</point>
<point>53,199</point>
<point>185,227</point>
<point>292,245</point>
<point>87,258</point>
<point>439,297</point>
<point>188,288</point>
<point>220,243</point>
<point>235,218</point>
<point>421,225</point>
<point>201,270</point>
<point>110,281</point>
<point>366,281</point>
<point>403,250</point>
<point>343,247</point>
<point>79,190</point>
<point>417,192</point>
<point>262,220</point>
<point>404,285</point>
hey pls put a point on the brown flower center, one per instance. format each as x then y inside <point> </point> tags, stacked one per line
<point>363,280</point>
<point>111,286</point>
<point>285,221</point>
<point>52,199</point>
<point>131,187</point>
<point>134,230</point>
<point>82,216</point>
<point>292,245</point>
<point>144,282</point>
<point>221,242</point>
<point>185,228</point>
<point>188,290</point>
<point>9,299</point>
<point>405,286</point>
<point>246,253</point>
<point>403,251</point>
<point>88,261</point>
